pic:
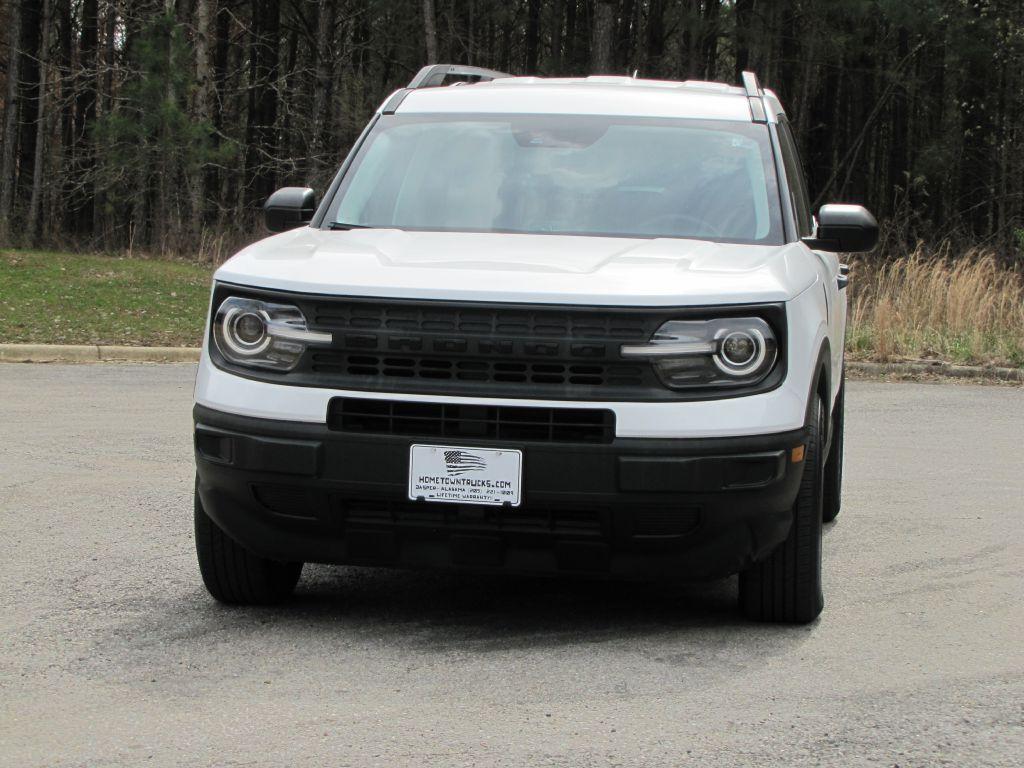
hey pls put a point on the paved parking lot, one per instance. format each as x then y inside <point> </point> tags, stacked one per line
<point>112,654</point>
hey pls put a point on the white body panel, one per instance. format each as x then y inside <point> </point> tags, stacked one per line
<point>555,269</point>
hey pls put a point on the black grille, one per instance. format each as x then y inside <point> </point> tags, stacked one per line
<point>391,417</point>
<point>661,521</point>
<point>480,320</point>
<point>476,370</point>
<point>451,348</point>
<point>284,500</point>
<point>473,517</point>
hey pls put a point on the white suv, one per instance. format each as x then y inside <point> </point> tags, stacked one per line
<point>561,326</point>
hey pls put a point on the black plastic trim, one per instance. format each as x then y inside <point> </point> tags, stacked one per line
<point>790,229</point>
<point>634,508</point>
<point>821,379</point>
<point>462,421</point>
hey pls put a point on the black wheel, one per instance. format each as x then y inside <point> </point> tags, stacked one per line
<point>786,586</point>
<point>233,574</point>
<point>833,498</point>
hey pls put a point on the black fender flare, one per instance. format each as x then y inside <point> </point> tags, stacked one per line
<point>821,382</point>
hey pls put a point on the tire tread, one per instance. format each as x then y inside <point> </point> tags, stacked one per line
<point>233,574</point>
<point>786,586</point>
<point>833,495</point>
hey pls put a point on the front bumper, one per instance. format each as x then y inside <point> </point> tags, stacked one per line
<point>648,508</point>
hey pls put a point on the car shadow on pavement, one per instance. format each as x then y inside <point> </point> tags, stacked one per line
<point>501,611</point>
<point>507,610</point>
<point>484,612</point>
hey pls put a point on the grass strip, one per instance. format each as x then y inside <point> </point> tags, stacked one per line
<point>62,298</point>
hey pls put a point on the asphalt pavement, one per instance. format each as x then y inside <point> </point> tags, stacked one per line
<point>112,654</point>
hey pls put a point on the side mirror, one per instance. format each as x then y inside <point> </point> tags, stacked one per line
<point>844,228</point>
<point>288,208</point>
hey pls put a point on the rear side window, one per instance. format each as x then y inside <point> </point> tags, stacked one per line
<point>565,174</point>
<point>795,177</point>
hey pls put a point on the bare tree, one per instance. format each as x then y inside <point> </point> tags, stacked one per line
<point>11,118</point>
<point>42,119</point>
<point>430,30</point>
<point>324,84</point>
<point>204,93</point>
<point>601,42</point>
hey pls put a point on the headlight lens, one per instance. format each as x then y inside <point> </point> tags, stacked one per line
<point>262,334</point>
<point>727,352</point>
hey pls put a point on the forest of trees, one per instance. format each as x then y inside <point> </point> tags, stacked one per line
<point>162,125</point>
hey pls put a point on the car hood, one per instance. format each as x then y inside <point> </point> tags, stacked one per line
<point>554,269</point>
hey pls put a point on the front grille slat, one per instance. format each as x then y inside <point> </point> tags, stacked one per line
<point>579,324</point>
<point>527,519</point>
<point>493,422</point>
<point>363,365</point>
<point>497,347</point>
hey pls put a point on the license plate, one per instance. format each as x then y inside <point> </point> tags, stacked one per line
<point>460,475</point>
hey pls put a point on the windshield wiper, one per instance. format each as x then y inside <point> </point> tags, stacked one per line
<point>343,225</point>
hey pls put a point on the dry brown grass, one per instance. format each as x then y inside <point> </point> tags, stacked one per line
<point>967,309</point>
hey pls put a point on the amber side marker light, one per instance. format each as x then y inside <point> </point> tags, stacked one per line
<point>797,454</point>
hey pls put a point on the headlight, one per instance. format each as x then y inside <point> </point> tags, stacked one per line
<point>729,352</point>
<point>261,334</point>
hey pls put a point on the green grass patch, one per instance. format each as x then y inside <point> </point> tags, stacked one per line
<point>65,298</point>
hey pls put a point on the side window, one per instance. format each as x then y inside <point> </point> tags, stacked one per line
<point>796,179</point>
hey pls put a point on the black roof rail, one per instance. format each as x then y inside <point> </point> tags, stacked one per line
<point>755,96</point>
<point>434,74</point>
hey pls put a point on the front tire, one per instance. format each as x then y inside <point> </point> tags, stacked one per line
<point>833,499</point>
<point>786,586</point>
<point>233,574</point>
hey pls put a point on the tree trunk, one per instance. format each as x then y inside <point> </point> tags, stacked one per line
<point>603,29</point>
<point>710,38</point>
<point>222,178</point>
<point>11,108</point>
<point>690,43</point>
<point>203,104</point>
<point>557,21</point>
<point>31,33</point>
<point>622,47</point>
<point>104,225</point>
<point>85,115</point>
<point>430,30</point>
<point>571,64</point>
<point>742,13</point>
<point>532,35</point>
<point>42,118</point>
<point>977,129</point>
<point>262,108</point>
<point>323,86</point>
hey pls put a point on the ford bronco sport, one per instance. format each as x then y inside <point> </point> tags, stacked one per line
<point>559,326</point>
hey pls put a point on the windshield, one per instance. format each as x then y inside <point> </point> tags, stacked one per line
<point>571,175</point>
